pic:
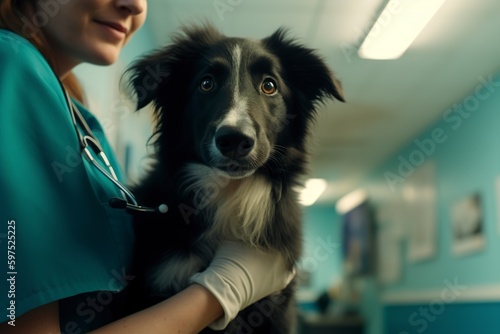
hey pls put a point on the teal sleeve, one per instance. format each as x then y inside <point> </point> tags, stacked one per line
<point>63,237</point>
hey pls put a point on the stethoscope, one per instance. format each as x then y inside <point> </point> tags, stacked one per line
<point>89,142</point>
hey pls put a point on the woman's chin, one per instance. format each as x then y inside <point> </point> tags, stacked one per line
<point>105,56</point>
<point>105,60</point>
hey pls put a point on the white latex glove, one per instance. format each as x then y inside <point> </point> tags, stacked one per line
<point>239,275</point>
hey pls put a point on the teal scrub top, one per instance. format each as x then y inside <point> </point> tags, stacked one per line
<point>64,238</point>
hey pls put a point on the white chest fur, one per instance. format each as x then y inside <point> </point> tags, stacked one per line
<point>238,209</point>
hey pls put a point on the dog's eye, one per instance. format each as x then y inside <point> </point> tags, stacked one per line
<point>269,87</point>
<point>207,84</point>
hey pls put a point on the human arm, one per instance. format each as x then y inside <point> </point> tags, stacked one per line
<point>189,311</point>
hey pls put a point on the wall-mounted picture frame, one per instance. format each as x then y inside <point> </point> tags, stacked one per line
<point>467,225</point>
<point>420,197</point>
<point>391,231</point>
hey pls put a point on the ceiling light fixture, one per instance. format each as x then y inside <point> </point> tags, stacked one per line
<point>351,200</point>
<point>397,27</point>
<point>312,191</point>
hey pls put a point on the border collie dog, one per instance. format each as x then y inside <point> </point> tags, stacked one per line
<point>232,120</point>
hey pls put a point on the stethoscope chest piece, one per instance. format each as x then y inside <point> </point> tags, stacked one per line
<point>119,203</point>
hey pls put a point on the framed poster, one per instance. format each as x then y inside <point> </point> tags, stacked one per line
<point>420,198</point>
<point>391,231</point>
<point>467,225</point>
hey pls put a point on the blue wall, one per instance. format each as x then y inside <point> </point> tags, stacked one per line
<point>322,251</point>
<point>464,145</point>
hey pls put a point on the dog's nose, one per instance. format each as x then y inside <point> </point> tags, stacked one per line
<point>232,143</point>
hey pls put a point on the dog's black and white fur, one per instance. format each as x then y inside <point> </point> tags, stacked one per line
<point>233,116</point>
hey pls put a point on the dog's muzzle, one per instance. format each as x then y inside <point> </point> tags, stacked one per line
<point>232,143</point>
<point>235,150</point>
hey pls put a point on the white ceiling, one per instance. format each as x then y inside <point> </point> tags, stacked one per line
<point>389,102</point>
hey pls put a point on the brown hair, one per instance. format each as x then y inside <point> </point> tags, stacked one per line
<point>13,19</point>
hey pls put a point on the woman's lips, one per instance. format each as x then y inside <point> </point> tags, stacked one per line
<point>114,25</point>
<point>116,30</point>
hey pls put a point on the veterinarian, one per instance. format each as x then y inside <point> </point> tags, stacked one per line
<point>64,250</point>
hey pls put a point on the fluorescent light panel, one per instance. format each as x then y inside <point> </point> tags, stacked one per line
<point>312,191</point>
<point>350,201</point>
<point>397,27</point>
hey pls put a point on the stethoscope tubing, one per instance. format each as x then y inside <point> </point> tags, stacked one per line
<point>89,140</point>
<point>127,192</point>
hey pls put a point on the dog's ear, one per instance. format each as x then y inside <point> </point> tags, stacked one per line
<point>304,68</point>
<point>146,75</point>
<point>155,76</point>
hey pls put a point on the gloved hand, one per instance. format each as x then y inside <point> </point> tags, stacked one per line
<point>239,275</point>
